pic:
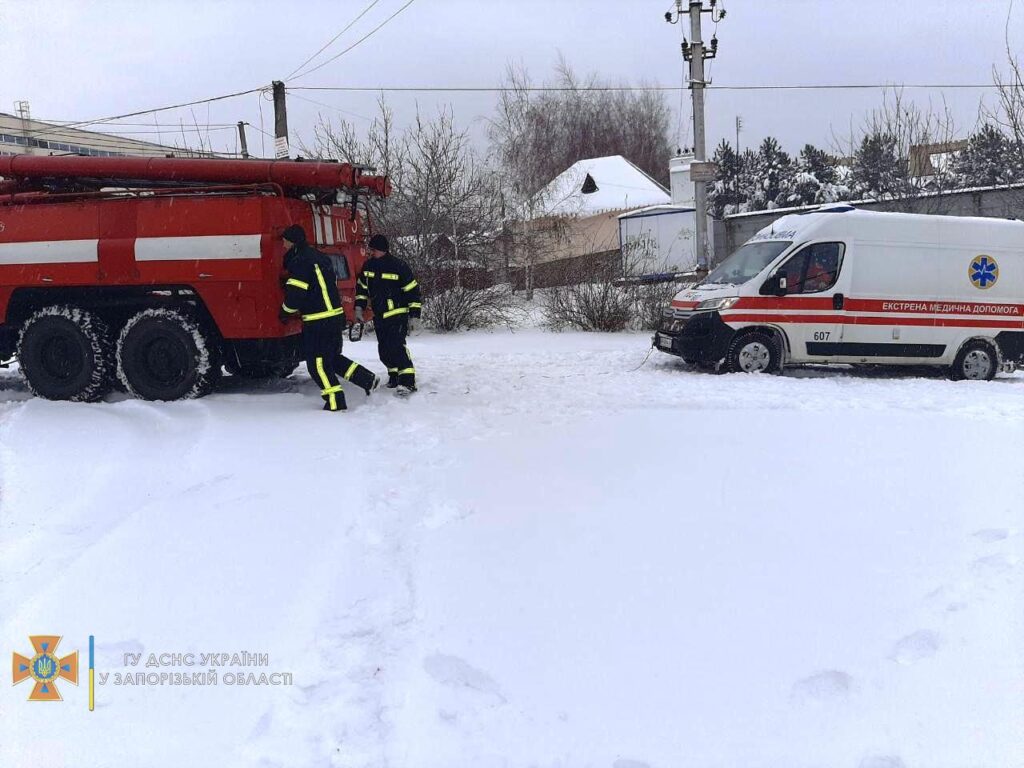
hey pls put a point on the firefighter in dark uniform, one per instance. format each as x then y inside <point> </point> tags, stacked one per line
<point>387,284</point>
<point>311,292</point>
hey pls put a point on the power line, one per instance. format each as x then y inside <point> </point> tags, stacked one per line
<point>141,112</point>
<point>331,41</point>
<point>672,88</point>
<point>328,106</point>
<point>140,133</point>
<point>65,123</point>
<point>357,42</point>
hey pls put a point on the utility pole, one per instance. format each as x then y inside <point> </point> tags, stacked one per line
<point>281,151</point>
<point>739,127</point>
<point>695,53</point>
<point>242,141</point>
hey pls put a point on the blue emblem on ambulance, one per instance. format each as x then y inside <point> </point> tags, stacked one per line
<point>983,272</point>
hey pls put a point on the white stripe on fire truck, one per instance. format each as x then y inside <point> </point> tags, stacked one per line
<point>328,225</point>
<point>219,247</point>
<point>50,252</point>
<point>323,224</point>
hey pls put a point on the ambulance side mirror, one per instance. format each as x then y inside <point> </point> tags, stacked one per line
<point>775,285</point>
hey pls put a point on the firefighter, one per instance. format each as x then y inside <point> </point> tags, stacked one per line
<point>387,284</point>
<point>312,292</point>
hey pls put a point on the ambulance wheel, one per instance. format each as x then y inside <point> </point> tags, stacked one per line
<point>163,354</point>
<point>66,353</point>
<point>976,360</point>
<point>755,352</point>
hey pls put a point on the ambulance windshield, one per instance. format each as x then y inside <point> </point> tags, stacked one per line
<point>746,263</point>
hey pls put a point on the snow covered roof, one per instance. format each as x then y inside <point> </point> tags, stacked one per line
<point>656,210</point>
<point>600,184</point>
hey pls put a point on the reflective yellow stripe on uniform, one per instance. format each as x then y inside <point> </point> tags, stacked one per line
<point>368,273</point>
<point>288,309</point>
<point>404,371</point>
<point>325,383</point>
<point>409,286</point>
<point>323,287</point>
<point>297,283</point>
<point>325,314</point>
<point>389,276</point>
<point>362,296</point>
<point>415,305</point>
<point>393,312</point>
<point>351,369</point>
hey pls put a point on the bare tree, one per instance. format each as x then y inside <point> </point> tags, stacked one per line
<point>538,134</point>
<point>893,157</point>
<point>1008,115</point>
<point>444,215</point>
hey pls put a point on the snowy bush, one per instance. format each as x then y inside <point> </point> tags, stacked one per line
<point>649,301</point>
<point>590,306</point>
<point>461,308</point>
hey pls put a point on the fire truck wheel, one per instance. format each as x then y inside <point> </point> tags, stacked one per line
<point>66,353</point>
<point>977,360</point>
<point>754,352</point>
<point>163,354</point>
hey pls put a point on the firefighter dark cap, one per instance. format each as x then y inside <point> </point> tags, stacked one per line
<point>379,243</point>
<point>294,234</point>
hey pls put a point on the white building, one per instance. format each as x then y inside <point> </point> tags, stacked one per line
<point>21,135</point>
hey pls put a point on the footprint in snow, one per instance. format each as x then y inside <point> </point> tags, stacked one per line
<point>992,565</point>
<point>919,646</point>
<point>829,685</point>
<point>881,761</point>
<point>443,513</point>
<point>991,535</point>
<point>457,673</point>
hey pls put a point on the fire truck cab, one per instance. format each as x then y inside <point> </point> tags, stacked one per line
<point>156,273</point>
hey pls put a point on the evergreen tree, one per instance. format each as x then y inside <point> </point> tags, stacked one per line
<point>724,195</point>
<point>817,178</point>
<point>776,176</point>
<point>818,163</point>
<point>987,161</point>
<point>748,192</point>
<point>878,171</point>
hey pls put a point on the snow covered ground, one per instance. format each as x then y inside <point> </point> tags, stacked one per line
<point>545,558</point>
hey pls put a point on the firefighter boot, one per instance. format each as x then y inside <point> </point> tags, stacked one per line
<point>362,377</point>
<point>406,380</point>
<point>392,378</point>
<point>334,400</point>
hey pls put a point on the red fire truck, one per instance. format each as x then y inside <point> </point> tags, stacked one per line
<point>158,272</point>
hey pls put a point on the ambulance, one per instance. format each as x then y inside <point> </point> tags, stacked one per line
<point>843,285</point>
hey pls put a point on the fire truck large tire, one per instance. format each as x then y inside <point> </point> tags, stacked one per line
<point>977,360</point>
<point>66,353</point>
<point>755,352</point>
<point>163,354</point>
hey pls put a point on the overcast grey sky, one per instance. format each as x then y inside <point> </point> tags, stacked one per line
<point>83,60</point>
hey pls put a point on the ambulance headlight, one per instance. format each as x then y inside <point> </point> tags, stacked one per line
<point>716,305</point>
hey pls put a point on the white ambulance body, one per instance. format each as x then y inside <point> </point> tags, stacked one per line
<point>842,285</point>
